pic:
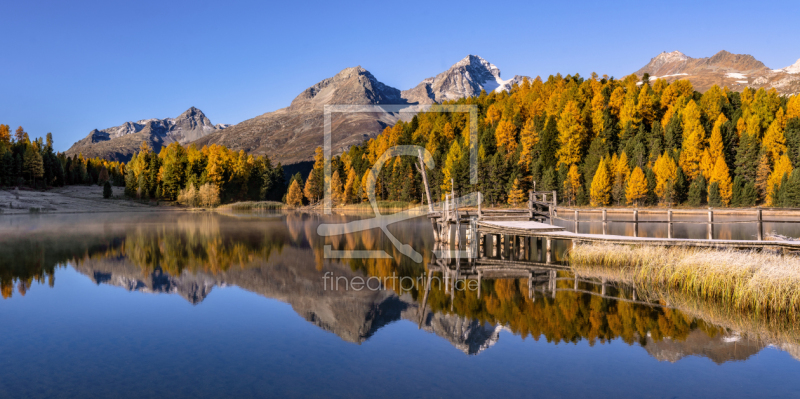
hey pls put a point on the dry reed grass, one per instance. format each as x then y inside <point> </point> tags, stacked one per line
<point>253,206</point>
<point>754,282</point>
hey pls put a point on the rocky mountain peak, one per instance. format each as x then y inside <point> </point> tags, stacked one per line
<point>466,78</point>
<point>354,85</point>
<point>120,142</point>
<point>735,62</point>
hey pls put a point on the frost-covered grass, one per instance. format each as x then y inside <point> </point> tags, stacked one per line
<point>253,206</point>
<point>750,281</point>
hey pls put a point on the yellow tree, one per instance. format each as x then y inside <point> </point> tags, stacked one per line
<point>493,114</point>
<point>645,107</point>
<point>793,107</point>
<point>5,134</point>
<point>216,165</point>
<point>529,137</point>
<point>716,148</point>
<point>516,196</point>
<point>506,136</point>
<point>707,164</point>
<point>774,141</point>
<point>637,187</point>
<point>620,172</point>
<point>570,135</point>
<point>617,100</point>
<point>350,187</point>
<point>337,191</point>
<point>694,140</point>
<point>572,183</point>
<point>783,166</point>
<point>451,163</point>
<point>598,111</point>
<point>601,185</point>
<point>295,196</point>
<point>666,171</point>
<point>722,177</point>
<point>712,102</point>
<point>629,112</point>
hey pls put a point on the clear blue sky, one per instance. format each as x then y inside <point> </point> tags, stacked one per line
<point>69,67</point>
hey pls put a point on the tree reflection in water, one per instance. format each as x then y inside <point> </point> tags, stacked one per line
<point>282,257</point>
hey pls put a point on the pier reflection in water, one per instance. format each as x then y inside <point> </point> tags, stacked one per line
<point>517,291</point>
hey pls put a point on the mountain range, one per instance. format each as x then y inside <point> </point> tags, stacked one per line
<point>290,135</point>
<point>120,142</point>
<point>736,71</point>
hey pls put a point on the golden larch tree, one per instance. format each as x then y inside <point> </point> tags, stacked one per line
<point>516,196</point>
<point>572,183</point>
<point>295,196</point>
<point>716,148</point>
<point>645,107</point>
<point>601,185</point>
<point>529,137</point>
<point>774,141</point>
<point>5,134</point>
<point>598,114</point>
<point>694,141</point>
<point>793,107</point>
<point>783,166</point>
<point>722,177</point>
<point>570,135</point>
<point>506,136</point>
<point>637,187</point>
<point>351,186</point>
<point>707,164</point>
<point>337,191</point>
<point>666,171</point>
<point>763,172</point>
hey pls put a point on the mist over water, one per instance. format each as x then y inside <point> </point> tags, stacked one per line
<point>217,305</point>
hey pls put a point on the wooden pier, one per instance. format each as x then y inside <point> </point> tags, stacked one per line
<point>537,220</point>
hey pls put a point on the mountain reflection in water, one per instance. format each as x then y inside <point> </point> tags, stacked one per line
<point>281,257</point>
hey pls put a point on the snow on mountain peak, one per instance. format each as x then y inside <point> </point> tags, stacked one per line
<point>672,57</point>
<point>794,68</point>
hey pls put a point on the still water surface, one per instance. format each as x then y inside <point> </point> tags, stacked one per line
<point>210,305</point>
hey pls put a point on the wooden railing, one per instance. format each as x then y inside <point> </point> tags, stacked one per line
<point>710,223</point>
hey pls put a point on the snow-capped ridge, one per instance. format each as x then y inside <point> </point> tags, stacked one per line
<point>791,69</point>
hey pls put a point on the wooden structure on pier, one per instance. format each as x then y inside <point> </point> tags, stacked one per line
<point>538,217</point>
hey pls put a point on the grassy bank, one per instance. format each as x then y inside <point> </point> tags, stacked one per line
<point>755,282</point>
<point>252,206</point>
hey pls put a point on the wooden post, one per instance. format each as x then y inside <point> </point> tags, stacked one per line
<point>669,223</point>
<point>425,298</point>
<point>555,199</point>
<point>636,222</point>
<point>603,287</point>
<point>760,225</point>
<point>576,221</point>
<point>480,277</point>
<point>530,204</point>
<point>530,284</point>
<point>576,283</point>
<point>553,282</point>
<point>549,258</point>
<point>425,180</point>
<point>480,200</point>
<point>710,224</point>
<point>539,254</point>
<point>605,222</point>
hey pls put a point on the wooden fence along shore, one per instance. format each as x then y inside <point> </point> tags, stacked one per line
<point>538,217</point>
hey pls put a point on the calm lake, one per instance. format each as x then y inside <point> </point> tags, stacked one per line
<point>191,305</point>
